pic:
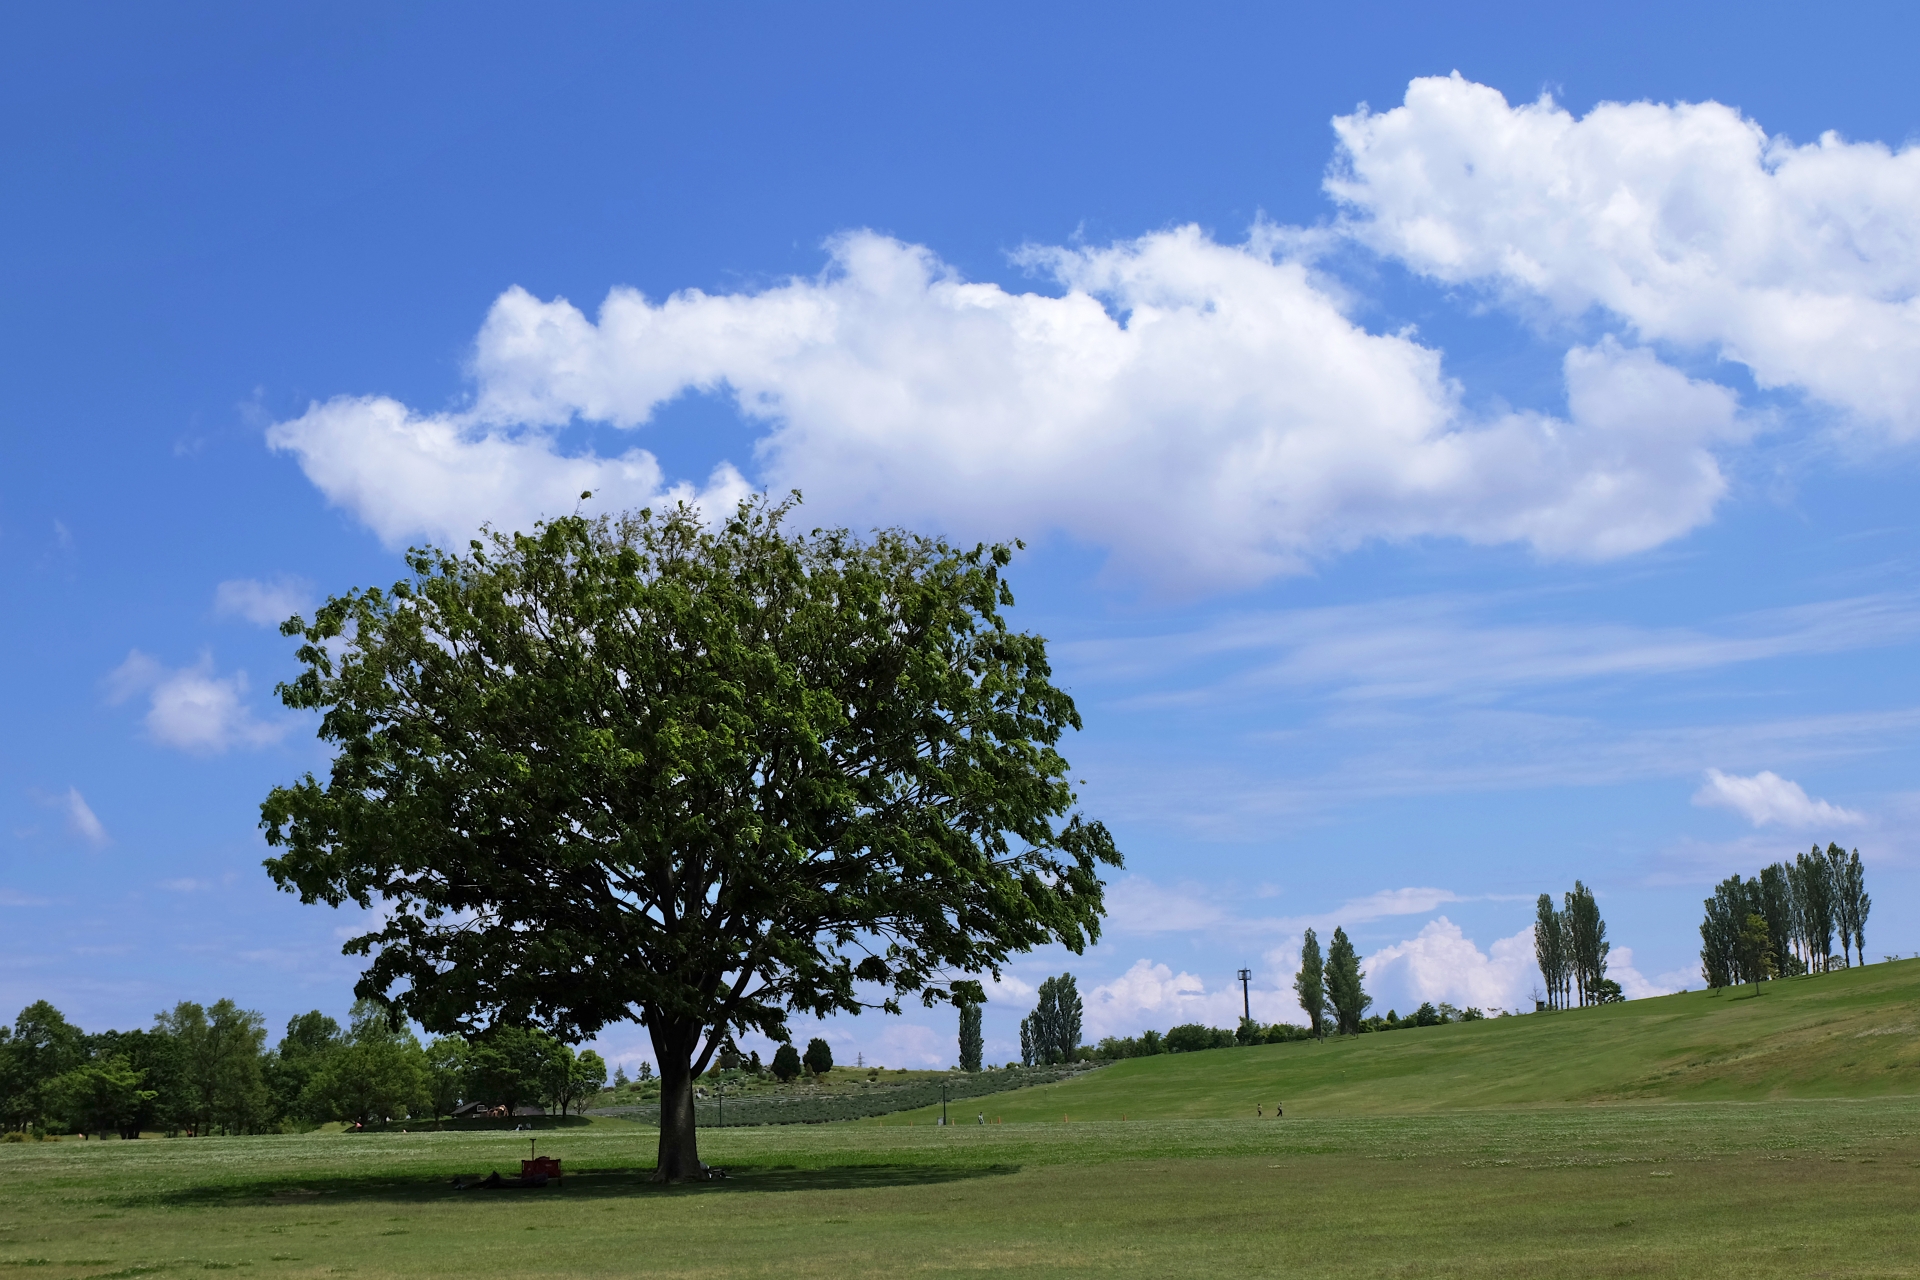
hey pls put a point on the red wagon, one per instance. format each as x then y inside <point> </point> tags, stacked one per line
<point>540,1169</point>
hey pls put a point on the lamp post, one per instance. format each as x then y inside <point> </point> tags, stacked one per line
<point>1246,999</point>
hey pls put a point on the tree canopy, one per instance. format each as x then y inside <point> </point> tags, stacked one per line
<point>644,768</point>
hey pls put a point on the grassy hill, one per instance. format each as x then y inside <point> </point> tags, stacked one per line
<point>1852,1034</point>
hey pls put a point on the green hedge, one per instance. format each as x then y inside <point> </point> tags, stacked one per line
<point>807,1106</point>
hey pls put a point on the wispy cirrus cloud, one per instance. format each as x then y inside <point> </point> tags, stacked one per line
<point>1139,906</point>
<point>1454,646</point>
<point>79,817</point>
<point>1468,751</point>
<point>82,821</point>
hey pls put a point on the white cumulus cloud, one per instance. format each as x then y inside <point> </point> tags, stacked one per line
<point>1766,797</point>
<point>1204,411</point>
<point>1442,963</point>
<point>191,708</point>
<point>1686,220</point>
<point>444,475</point>
<point>1150,994</point>
<point>1153,995</point>
<point>265,604</point>
<point>1636,986</point>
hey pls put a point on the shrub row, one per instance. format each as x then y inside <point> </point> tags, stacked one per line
<point>805,1106</point>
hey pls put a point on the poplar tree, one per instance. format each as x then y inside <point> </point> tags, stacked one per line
<point>1776,904</point>
<point>970,1040</point>
<point>1836,859</point>
<point>1550,950</point>
<point>1344,991</point>
<point>1587,943</point>
<point>1813,885</point>
<point>1859,903</point>
<point>1056,1019</point>
<point>1721,957</point>
<point>1850,900</point>
<point>1310,984</point>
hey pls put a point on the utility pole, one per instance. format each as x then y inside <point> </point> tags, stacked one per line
<point>943,1104</point>
<point>1246,998</point>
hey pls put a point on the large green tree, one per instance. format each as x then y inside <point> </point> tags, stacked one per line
<point>312,1038</point>
<point>700,777</point>
<point>101,1096</point>
<point>42,1047</point>
<point>156,1058</point>
<point>377,1074</point>
<point>508,1065</point>
<point>587,1078</point>
<point>221,1082</point>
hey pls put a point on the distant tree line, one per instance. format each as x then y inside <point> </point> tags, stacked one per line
<point>1786,920</point>
<point>208,1070</point>
<point>1331,988</point>
<point>1570,944</point>
<point>1193,1036</point>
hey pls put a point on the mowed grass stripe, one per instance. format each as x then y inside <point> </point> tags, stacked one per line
<point>1712,1189</point>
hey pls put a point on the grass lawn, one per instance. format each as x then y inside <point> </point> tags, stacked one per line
<point>1685,1190</point>
<point>1851,1034</point>
<point>1688,1136</point>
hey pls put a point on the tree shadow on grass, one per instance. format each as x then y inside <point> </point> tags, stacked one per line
<point>584,1184</point>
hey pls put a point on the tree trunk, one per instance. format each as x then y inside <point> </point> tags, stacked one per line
<point>679,1159</point>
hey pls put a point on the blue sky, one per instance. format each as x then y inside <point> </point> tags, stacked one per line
<point>1435,493</point>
